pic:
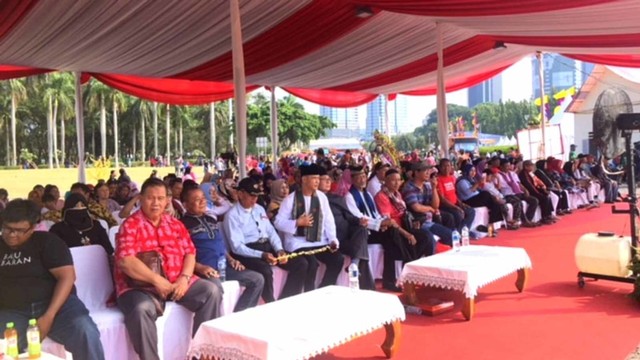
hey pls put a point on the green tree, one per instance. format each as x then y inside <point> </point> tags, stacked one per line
<point>120,102</point>
<point>18,92</point>
<point>295,125</point>
<point>97,97</point>
<point>59,92</point>
<point>453,111</point>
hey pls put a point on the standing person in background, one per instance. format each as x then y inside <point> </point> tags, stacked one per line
<point>4,198</point>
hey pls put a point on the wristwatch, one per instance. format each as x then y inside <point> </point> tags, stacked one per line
<point>187,276</point>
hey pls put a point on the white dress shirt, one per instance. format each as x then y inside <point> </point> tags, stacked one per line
<point>374,186</point>
<point>245,226</point>
<point>374,221</point>
<point>286,223</point>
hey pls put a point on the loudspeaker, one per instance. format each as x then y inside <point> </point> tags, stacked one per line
<point>628,121</point>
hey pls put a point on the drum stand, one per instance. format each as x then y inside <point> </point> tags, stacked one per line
<point>633,213</point>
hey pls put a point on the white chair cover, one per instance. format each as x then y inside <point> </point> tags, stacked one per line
<point>112,235</point>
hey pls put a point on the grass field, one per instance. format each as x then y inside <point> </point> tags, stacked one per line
<point>19,182</point>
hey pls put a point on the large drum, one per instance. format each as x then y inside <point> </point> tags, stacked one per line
<point>604,254</point>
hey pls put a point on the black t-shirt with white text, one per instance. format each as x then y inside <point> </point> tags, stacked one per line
<point>24,272</point>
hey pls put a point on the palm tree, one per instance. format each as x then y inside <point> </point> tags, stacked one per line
<point>60,91</point>
<point>145,110</point>
<point>18,93</point>
<point>120,102</point>
<point>155,129</point>
<point>98,92</point>
<point>168,128</point>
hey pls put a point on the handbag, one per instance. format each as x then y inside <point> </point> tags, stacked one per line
<point>152,260</point>
<point>413,221</point>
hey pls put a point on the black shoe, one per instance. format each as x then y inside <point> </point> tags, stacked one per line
<point>482,228</point>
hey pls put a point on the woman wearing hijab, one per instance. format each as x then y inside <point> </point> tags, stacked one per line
<point>77,228</point>
<point>471,193</point>
<point>279,191</point>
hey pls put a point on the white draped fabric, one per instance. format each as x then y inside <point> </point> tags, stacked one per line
<point>331,316</point>
<point>174,38</point>
<point>468,270</point>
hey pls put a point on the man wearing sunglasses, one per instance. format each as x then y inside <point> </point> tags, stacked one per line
<point>36,282</point>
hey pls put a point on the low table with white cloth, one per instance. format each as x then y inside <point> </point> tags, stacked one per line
<point>301,326</point>
<point>467,270</point>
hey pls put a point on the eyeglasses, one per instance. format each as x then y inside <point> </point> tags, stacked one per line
<point>6,230</point>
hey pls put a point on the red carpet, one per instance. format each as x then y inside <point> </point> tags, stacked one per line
<point>552,319</point>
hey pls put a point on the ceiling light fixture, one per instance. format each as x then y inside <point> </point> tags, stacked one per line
<point>499,45</point>
<point>364,12</point>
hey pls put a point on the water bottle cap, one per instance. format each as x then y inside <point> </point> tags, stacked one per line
<point>10,325</point>
<point>32,322</point>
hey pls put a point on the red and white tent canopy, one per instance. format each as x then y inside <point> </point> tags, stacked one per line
<point>320,50</point>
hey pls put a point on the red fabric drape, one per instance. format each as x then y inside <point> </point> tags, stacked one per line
<point>339,99</point>
<point>614,60</point>
<point>459,8</point>
<point>462,83</point>
<point>452,55</point>
<point>317,24</point>
<point>11,72</point>
<point>170,91</point>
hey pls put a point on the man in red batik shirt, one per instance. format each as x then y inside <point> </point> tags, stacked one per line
<point>152,229</point>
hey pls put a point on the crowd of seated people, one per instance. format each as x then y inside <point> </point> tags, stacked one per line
<point>324,211</point>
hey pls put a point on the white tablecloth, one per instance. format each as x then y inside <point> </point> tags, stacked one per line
<point>298,327</point>
<point>468,270</point>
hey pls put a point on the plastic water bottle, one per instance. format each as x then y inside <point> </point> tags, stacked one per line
<point>354,283</point>
<point>455,240</point>
<point>411,309</point>
<point>222,268</point>
<point>11,338</point>
<point>33,340</point>
<point>465,236</point>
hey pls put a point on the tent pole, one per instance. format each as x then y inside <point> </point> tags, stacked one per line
<point>542,153</point>
<point>212,129</point>
<point>274,131</point>
<point>441,99</point>
<point>239,84</point>
<point>82,178</point>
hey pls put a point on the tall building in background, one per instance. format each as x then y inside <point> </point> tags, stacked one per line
<point>489,91</point>
<point>559,73</point>
<point>399,116</point>
<point>375,117</point>
<point>346,120</point>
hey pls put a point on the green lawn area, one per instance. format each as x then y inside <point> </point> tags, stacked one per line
<point>19,182</point>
